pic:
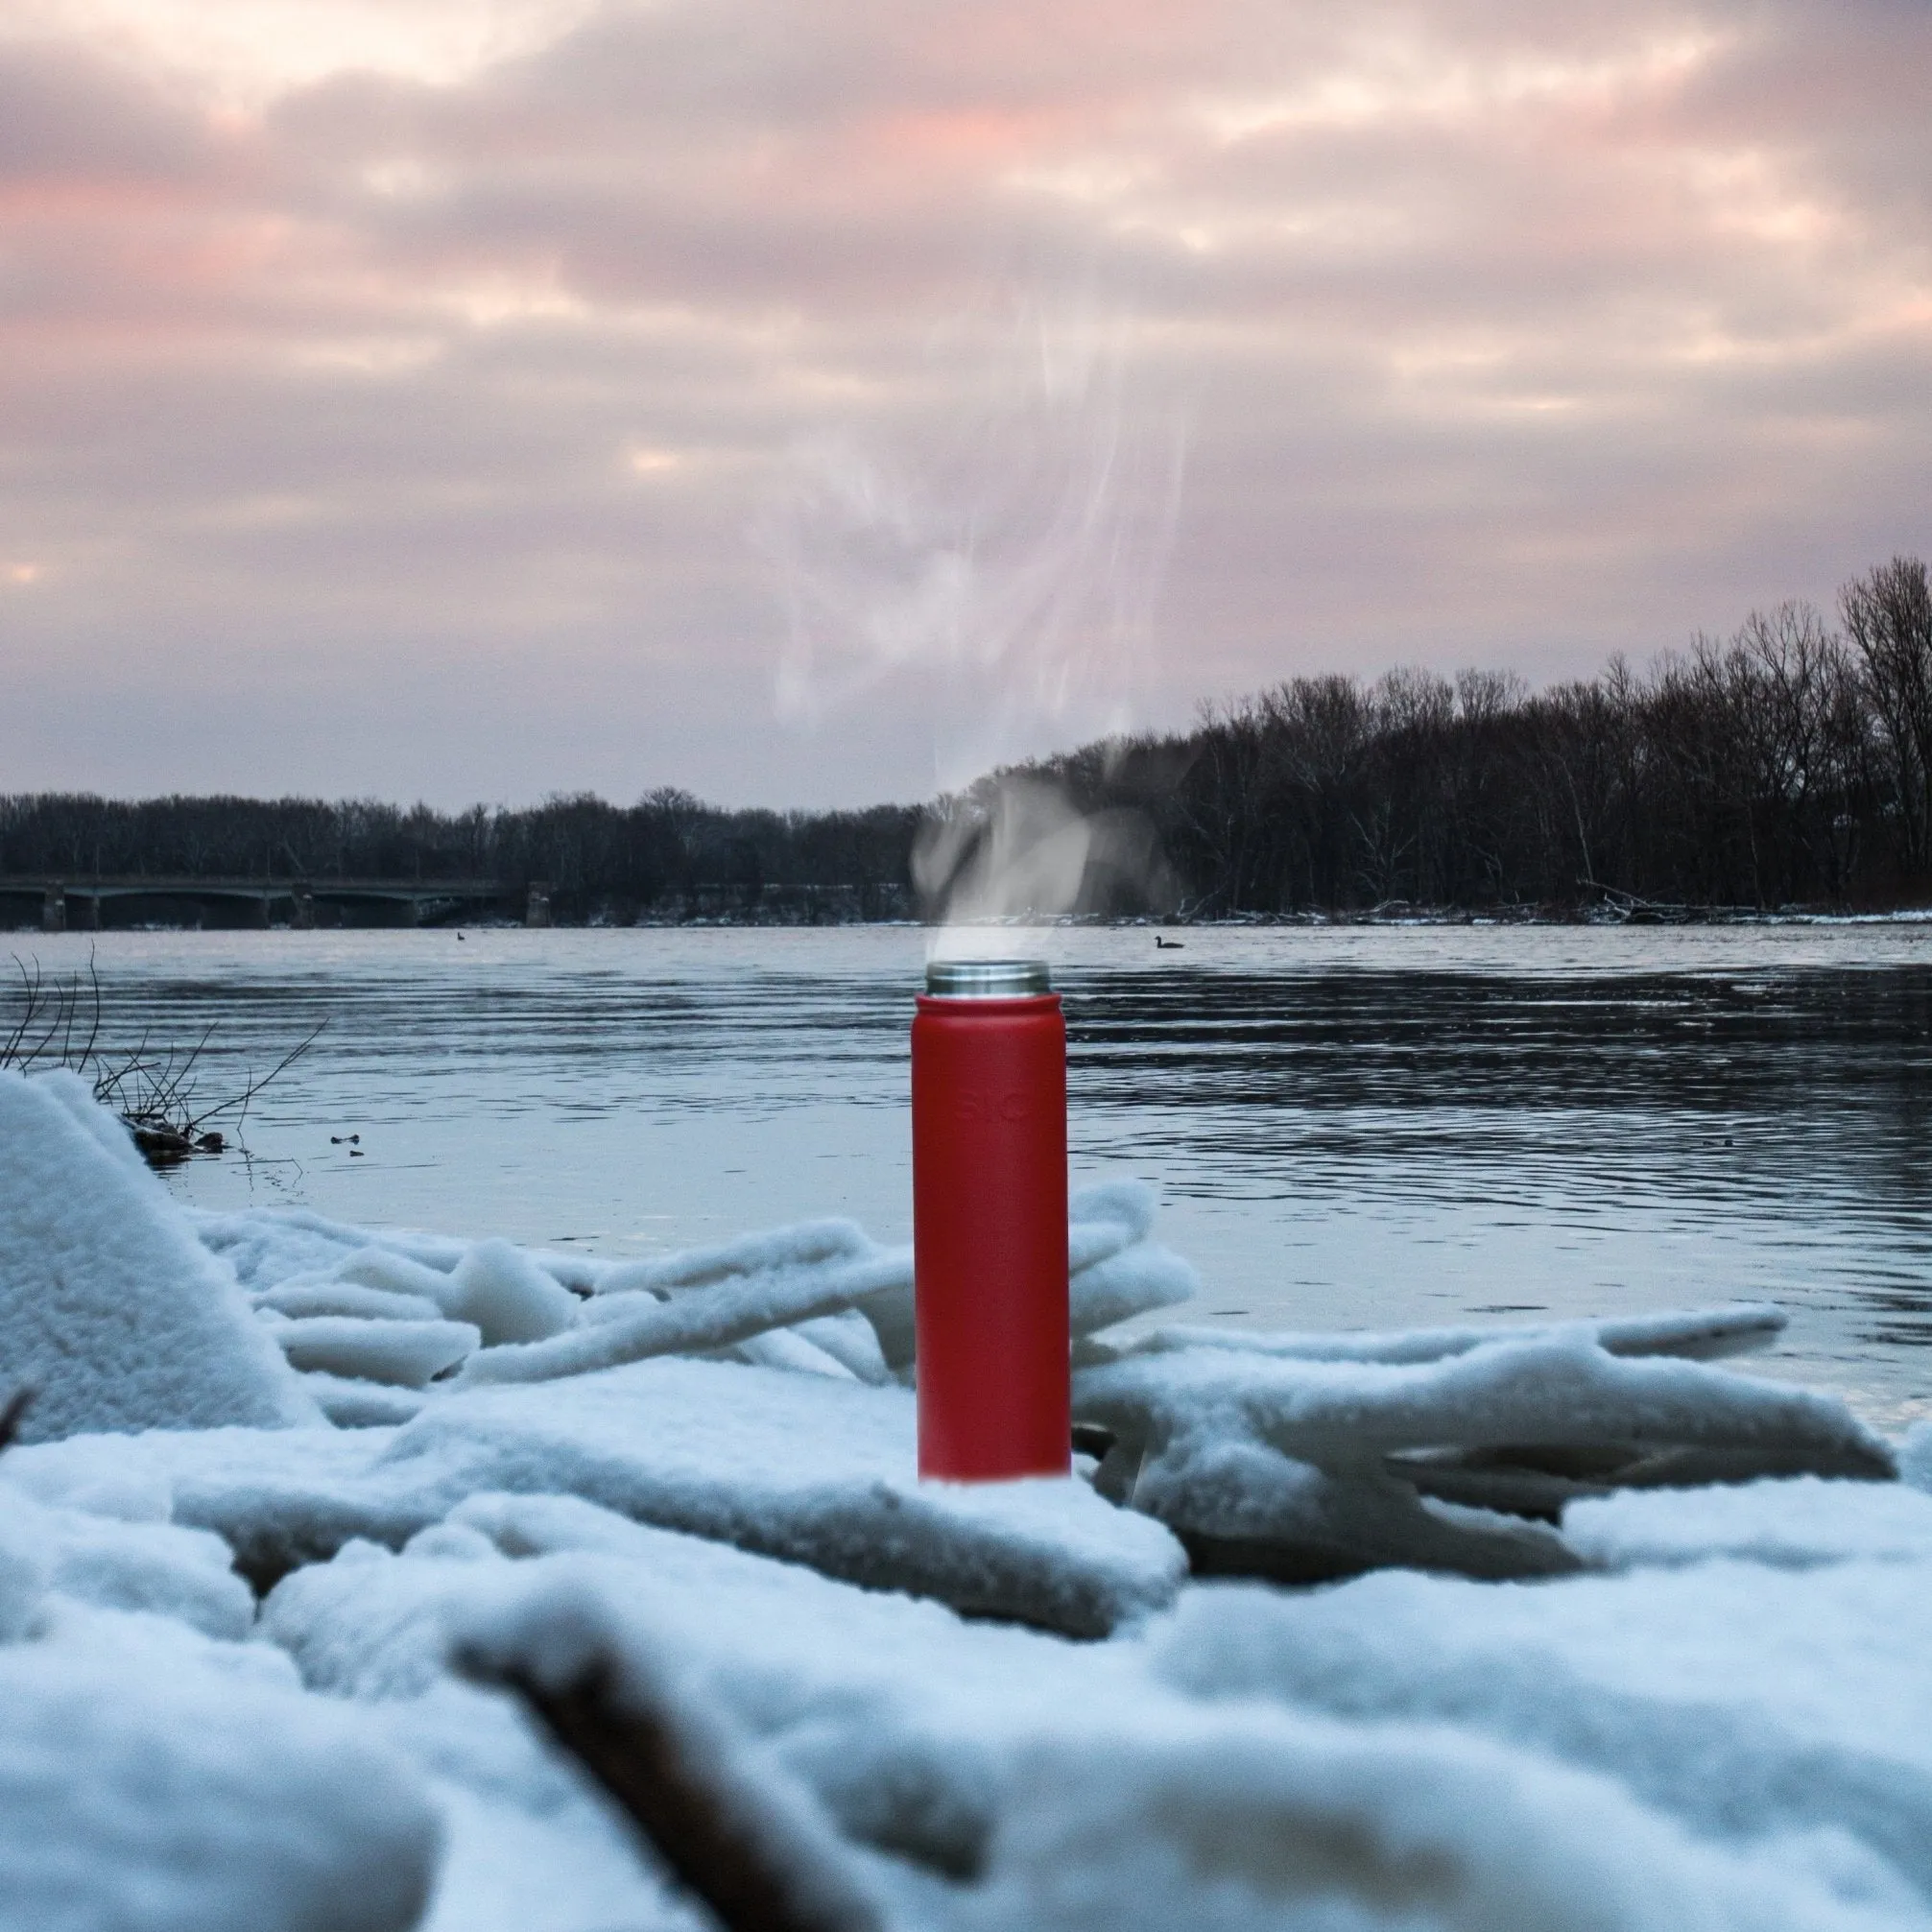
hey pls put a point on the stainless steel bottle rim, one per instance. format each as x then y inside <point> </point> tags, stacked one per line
<point>988,979</point>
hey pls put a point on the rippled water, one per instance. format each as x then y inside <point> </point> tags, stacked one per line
<point>1350,1126</point>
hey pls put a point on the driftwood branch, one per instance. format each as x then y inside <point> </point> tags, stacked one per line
<point>12,1414</point>
<point>60,1024</point>
<point>751,1874</point>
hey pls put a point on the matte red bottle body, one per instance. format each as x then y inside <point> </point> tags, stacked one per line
<point>989,1237</point>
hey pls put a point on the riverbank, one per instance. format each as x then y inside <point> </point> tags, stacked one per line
<point>263,1583</point>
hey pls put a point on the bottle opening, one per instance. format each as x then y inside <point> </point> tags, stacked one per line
<point>988,979</point>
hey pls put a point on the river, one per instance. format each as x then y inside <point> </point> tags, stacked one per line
<point>1349,1126</point>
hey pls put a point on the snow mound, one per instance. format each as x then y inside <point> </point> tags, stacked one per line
<point>111,1309</point>
<point>190,1799</point>
<point>817,1471</point>
<point>153,1567</point>
<point>1072,1787</point>
<point>902,1719</point>
<point>1753,1705</point>
<point>1254,1821</point>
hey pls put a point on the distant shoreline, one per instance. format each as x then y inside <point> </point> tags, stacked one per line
<point>1431,916</point>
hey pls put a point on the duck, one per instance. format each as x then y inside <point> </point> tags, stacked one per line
<point>1170,945</point>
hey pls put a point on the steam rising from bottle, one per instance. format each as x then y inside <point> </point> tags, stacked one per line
<point>1007,558</point>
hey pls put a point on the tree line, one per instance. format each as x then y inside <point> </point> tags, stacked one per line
<point>669,855</point>
<point>1787,765</point>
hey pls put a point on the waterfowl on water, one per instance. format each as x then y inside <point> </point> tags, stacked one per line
<point>1169,946</point>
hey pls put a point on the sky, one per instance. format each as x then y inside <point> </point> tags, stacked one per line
<point>809,403</point>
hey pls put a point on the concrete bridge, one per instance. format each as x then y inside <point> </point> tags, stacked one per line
<point>77,904</point>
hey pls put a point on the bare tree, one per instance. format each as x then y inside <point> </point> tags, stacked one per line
<point>1888,613</point>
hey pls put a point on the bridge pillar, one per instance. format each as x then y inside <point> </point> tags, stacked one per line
<point>88,906</point>
<point>54,910</point>
<point>536,907</point>
<point>304,917</point>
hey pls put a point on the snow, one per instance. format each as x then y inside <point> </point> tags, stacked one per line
<point>143,1566</point>
<point>111,1309</point>
<point>143,1787</point>
<point>893,1712</point>
<point>1795,1524</point>
<point>1754,1705</point>
<point>1915,1456</point>
<point>1251,1820</point>
<point>305,1495</point>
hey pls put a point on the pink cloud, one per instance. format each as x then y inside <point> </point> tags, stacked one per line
<point>1514,336</point>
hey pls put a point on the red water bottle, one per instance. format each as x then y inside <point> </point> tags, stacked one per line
<point>989,1222</point>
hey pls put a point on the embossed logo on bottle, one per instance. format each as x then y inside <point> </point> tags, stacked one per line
<point>976,1105</point>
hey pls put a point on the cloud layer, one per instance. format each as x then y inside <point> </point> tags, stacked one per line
<point>404,399</point>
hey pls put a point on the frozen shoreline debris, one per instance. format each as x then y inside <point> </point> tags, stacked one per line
<point>317,1539</point>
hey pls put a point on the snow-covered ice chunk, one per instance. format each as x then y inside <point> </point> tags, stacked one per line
<point>1558,1388</point>
<point>109,1308</point>
<point>188,1801</point>
<point>788,1349</point>
<point>270,1245</point>
<point>380,1266</point>
<point>849,1340</point>
<point>1243,1509</point>
<point>326,1295</point>
<point>815,1273</point>
<point>1133,1280</point>
<point>1278,1465</point>
<point>410,1353</point>
<point>831,1242</point>
<point>509,1297</point>
<point>1793,1523</point>
<point>1695,1334</point>
<point>1128,1205</point>
<point>350,1402</point>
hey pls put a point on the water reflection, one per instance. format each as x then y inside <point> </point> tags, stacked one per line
<point>1573,1141</point>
